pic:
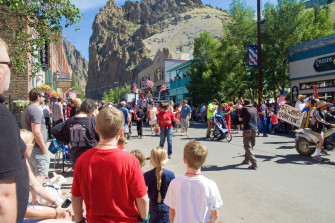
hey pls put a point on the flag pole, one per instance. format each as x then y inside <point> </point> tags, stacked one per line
<point>259,49</point>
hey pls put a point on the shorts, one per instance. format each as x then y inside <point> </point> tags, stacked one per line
<point>125,129</point>
<point>185,122</point>
<point>39,163</point>
<point>314,135</point>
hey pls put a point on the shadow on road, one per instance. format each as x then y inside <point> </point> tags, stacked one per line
<point>302,160</point>
<point>285,147</point>
<point>278,142</point>
<point>219,168</point>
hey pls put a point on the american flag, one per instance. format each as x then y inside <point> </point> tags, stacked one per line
<point>163,88</point>
<point>252,56</point>
<point>150,84</point>
<point>281,99</point>
<point>146,82</point>
<point>134,88</point>
<point>72,94</point>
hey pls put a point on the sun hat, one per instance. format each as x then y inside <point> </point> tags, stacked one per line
<point>301,96</point>
<point>322,103</point>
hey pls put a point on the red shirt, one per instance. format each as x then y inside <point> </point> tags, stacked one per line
<point>109,181</point>
<point>263,109</point>
<point>165,119</point>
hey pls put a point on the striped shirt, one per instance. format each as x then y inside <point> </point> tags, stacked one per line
<point>57,111</point>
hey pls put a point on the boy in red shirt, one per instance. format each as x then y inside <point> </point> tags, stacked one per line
<point>165,118</point>
<point>109,180</point>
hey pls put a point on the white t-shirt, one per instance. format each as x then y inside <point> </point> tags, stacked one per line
<point>203,108</point>
<point>193,198</point>
<point>153,116</point>
<point>300,105</point>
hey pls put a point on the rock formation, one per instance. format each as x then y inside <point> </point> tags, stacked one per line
<point>78,64</point>
<point>125,39</point>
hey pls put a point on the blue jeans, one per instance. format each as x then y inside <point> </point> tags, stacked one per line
<point>166,133</point>
<point>264,124</point>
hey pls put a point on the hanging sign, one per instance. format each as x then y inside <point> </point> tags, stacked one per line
<point>64,84</point>
<point>44,54</point>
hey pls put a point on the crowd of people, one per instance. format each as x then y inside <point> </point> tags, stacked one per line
<point>106,177</point>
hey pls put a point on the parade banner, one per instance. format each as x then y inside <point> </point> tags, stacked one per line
<point>290,115</point>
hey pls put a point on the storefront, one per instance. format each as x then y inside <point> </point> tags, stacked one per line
<point>313,63</point>
<point>177,79</point>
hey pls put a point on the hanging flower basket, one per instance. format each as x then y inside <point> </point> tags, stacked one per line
<point>55,94</point>
<point>45,87</point>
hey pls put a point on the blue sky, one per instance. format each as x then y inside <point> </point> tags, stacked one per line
<point>89,8</point>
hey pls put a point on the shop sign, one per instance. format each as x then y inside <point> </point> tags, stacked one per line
<point>324,63</point>
<point>64,76</point>
<point>64,84</point>
<point>291,115</point>
<point>44,54</point>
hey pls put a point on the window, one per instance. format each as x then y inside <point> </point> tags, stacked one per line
<point>326,96</point>
<point>319,84</point>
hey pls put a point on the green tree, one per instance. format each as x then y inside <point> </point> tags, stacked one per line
<point>205,76</point>
<point>118,93</point>
<point>288,24</point>
<point>124,90</point>
<point>45,20</point>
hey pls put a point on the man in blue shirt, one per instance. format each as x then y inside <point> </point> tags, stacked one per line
<point>185,115</point>
<point>127,119</point>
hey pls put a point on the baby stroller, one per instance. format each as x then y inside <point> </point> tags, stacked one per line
<point>220,130</point>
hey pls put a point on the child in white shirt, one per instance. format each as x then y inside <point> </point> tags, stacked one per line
<point>193,197</point>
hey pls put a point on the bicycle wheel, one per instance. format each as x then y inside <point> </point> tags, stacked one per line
<point>229,137</point>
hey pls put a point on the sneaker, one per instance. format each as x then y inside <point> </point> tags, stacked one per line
<point>324,152</point>
<point>170,157</point>
<point>318,158</point>
<point>253,167</point>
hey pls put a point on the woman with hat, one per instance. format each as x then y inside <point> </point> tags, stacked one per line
<point>318,123</point>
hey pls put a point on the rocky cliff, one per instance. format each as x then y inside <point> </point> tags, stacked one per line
<point>125,39</point>
<point>78,64</point>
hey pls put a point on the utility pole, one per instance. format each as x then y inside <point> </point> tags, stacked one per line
<point>259,50</point>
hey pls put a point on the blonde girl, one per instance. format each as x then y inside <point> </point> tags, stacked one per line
<point>158,181</point>
<point>41,212</point>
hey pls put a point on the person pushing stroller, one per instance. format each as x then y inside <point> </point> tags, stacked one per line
<point>220,128</point>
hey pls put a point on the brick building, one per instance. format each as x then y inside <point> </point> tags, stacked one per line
<point>21,83</point>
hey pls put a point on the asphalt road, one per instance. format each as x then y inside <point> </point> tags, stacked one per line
<point>286,187</point>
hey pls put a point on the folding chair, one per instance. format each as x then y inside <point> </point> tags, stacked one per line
<point>65,154</point>
<point>61,152</point>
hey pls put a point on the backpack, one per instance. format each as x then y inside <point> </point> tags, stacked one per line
<point>78,137</point>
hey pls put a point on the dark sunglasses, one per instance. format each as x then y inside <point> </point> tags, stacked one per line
<point>10,64</point>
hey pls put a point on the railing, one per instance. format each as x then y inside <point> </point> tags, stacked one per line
<point>180,83</point>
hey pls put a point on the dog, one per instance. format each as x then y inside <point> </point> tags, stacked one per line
<point>53,186</point>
